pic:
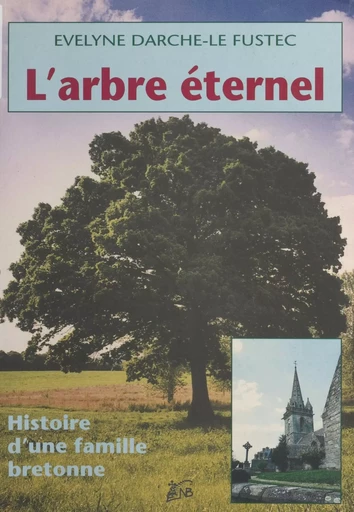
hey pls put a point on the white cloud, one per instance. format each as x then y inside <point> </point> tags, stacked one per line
<point>259,135</point>
<point>343,184</point>
<point>345,132</point>
<point>348,35</point>
<point>245,396</point>
<point>60,10</point>
<point>67,10</point>
<point>237,345</point>
<point>279,399</point>
<point>346,121</point>
<point>345,137</point>
<point>279,410</point>
<point>272,427</point>
<point>259,435</point>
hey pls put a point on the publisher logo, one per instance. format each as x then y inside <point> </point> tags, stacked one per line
<point>179,490</point>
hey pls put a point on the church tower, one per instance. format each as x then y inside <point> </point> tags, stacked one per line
<point>298,417</point>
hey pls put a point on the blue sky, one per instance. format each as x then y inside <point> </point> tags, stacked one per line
<point>41,154</point>
<point>231,10</point>
<point>263,372</point>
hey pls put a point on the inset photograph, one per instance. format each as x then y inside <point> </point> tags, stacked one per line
<point>286,421</point>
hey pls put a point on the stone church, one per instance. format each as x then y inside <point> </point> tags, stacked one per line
<point>299,429</point>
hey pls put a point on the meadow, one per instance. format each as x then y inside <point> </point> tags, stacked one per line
<point>132,483</point>
<point>91,390</point>
<point>318,476</point>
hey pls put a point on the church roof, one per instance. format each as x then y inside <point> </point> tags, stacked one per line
<point>296,396</point>
<point>334,390</point>
<point>307,439</point>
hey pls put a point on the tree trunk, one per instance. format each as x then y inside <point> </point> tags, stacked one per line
<point>200,411</point>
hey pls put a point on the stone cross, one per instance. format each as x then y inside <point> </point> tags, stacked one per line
<point>247,447</point>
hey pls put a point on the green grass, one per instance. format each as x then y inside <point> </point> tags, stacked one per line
<point>138,483</point>
<point>132,483</point>
<point>347,392</point>
<point>91,390</point>
<point>319,476</point>
<point>40,381</point>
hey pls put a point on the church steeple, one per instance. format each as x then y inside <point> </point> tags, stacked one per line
<point>298,417</point>
<point>296,395</point>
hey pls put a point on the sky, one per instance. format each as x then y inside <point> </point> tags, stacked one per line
<point>41,154</point>
<point>262,379</point>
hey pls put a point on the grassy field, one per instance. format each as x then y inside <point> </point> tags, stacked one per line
<point>12,382</point>
<point>132,483</point>
<point>347,393</point>
<point>318,476</point>
<point>97,391</point>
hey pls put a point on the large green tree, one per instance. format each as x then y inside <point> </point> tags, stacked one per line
<point>186,235</point>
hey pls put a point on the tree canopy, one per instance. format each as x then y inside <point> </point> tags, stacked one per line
<point>185,235</point>
<point>280,454</point>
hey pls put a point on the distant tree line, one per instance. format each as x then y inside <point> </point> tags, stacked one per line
<point>16,361</point>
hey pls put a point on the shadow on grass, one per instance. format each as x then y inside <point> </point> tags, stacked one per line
<point>221,406</point>
<point>348,419</point>
<point>176,406</point>
<point>219,422</point>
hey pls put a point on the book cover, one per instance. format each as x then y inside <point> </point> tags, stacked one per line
<point>176,257</point>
